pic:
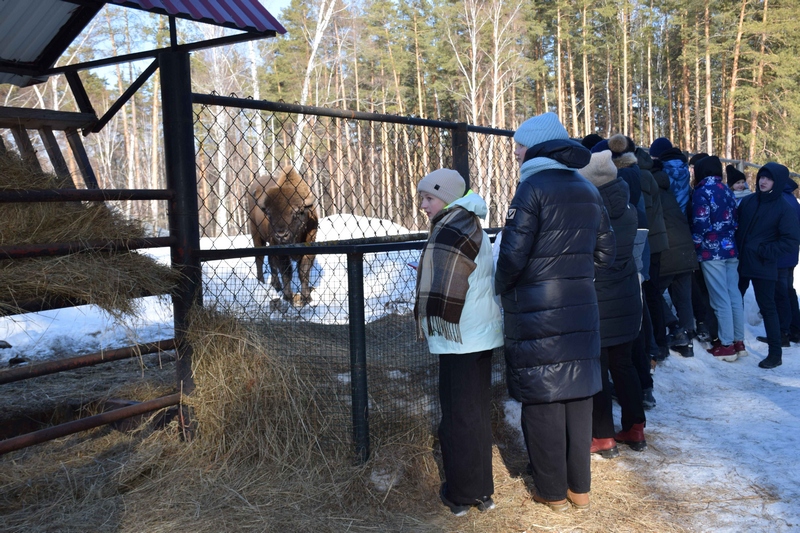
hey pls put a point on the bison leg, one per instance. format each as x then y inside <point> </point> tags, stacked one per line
<point>276,272</point>
<point>284,266</point>
<point>260,268</point>
<point>304,273</point>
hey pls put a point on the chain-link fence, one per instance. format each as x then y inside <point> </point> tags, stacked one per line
<point>355,182</point>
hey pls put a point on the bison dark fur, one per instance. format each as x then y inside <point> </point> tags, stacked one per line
<point>282,210</point>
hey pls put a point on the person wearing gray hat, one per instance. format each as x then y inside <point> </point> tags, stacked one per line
<point>458,315</point>
<point>556,232</point>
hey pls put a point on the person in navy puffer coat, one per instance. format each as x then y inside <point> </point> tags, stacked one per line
<point>556,232</point>
<point>768,229</point>
<point>620,303</point>
<point>714,222</point>
<point>785,295</point>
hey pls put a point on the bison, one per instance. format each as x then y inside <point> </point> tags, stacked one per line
<point>282,210</point>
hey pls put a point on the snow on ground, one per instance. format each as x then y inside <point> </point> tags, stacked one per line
<point>728,429</point>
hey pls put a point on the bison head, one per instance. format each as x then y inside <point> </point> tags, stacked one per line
<point>289,218</point>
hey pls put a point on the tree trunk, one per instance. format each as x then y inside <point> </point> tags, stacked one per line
<point>709,118</point>
<point>559,69</point>
<point>757,85</point>
<point>587,87</point>
<point>572,90</point>
<point>625,118</point>
<point>731,107</point>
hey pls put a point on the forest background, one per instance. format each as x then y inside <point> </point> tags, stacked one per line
<point>718,76</point>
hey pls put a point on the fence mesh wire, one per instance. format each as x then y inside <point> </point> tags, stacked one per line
<point>357,180</point>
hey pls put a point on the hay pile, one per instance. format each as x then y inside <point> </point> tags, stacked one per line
<point>110,280</point>
<point>257,465</point>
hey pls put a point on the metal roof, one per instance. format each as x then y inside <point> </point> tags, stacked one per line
<point>247,15</point>
<point>34,34</point>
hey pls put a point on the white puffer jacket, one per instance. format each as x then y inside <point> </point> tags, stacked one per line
<point>481,324</point>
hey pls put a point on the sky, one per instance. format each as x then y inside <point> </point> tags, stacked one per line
<point>723,436</point>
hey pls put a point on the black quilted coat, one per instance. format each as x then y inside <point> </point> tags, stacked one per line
<point>617,286</point>
<point>556,232</point>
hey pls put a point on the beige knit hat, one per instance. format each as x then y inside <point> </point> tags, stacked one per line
<point>601,169</point>
<point>445,184</point>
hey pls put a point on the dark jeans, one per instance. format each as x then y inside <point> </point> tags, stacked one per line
<point>558,436</point>
<point>465,432</point>
<point>680,291</point>
<point>701,304</point>
<point>764,290</point>
<point>617,360</point>
<point>642,349</point>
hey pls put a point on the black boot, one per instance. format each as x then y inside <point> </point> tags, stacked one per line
<point>680,338</point>
<point>784,340</point>
<point>663,353</point>
<point>771,361</point>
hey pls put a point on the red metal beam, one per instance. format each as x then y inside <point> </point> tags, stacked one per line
<point>51,367</point>
<point>83,424</point>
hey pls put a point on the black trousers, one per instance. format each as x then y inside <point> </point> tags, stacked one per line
<point>558,436</point>
<point>786,301</point>
<point>465,432</point>
<point>764,289</point>
<point>641,351</point>
<point>617,360</point>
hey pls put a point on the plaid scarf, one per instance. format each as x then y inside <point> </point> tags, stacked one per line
<point>447,261</point>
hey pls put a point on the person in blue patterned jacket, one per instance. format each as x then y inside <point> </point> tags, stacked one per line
<point>676,166</point>
<point>714,223</point>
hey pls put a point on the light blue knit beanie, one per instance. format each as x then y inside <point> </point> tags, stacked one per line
<point>539,129</point>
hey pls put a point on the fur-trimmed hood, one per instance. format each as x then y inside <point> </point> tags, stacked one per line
<point>628,159</point>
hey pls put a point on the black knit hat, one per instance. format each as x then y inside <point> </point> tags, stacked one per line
<point>697,157</point>
<point>733,175</point>
<point>707,166</point>
<point>590,140</point>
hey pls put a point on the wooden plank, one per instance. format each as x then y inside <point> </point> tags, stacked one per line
<point>56,157</point>
<point>74,139</point>
<point>34,119</point>
<point>79,92</point>
<point>25,147</point>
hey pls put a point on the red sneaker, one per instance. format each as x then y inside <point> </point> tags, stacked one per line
<point>741,351</point>
<point>724,353</point>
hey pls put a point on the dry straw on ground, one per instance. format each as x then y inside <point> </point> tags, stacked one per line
<point>258,464</point>
<point>111,280</point>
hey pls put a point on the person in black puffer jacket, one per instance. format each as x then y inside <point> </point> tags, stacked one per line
<point>619,300</point>
<point>768,229</point>
<point>556,232</point>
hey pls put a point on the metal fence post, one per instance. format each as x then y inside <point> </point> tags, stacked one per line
<point>461,151</point>
<point>184,224</point>
<point>358,354</point>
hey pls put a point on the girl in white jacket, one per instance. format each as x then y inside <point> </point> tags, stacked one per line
<point>457,313</point>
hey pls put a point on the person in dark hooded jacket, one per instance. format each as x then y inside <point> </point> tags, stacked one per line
<point>619,301</point>
<point>556,232</point>
<point>674,271</point>
<point>768,229</point>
